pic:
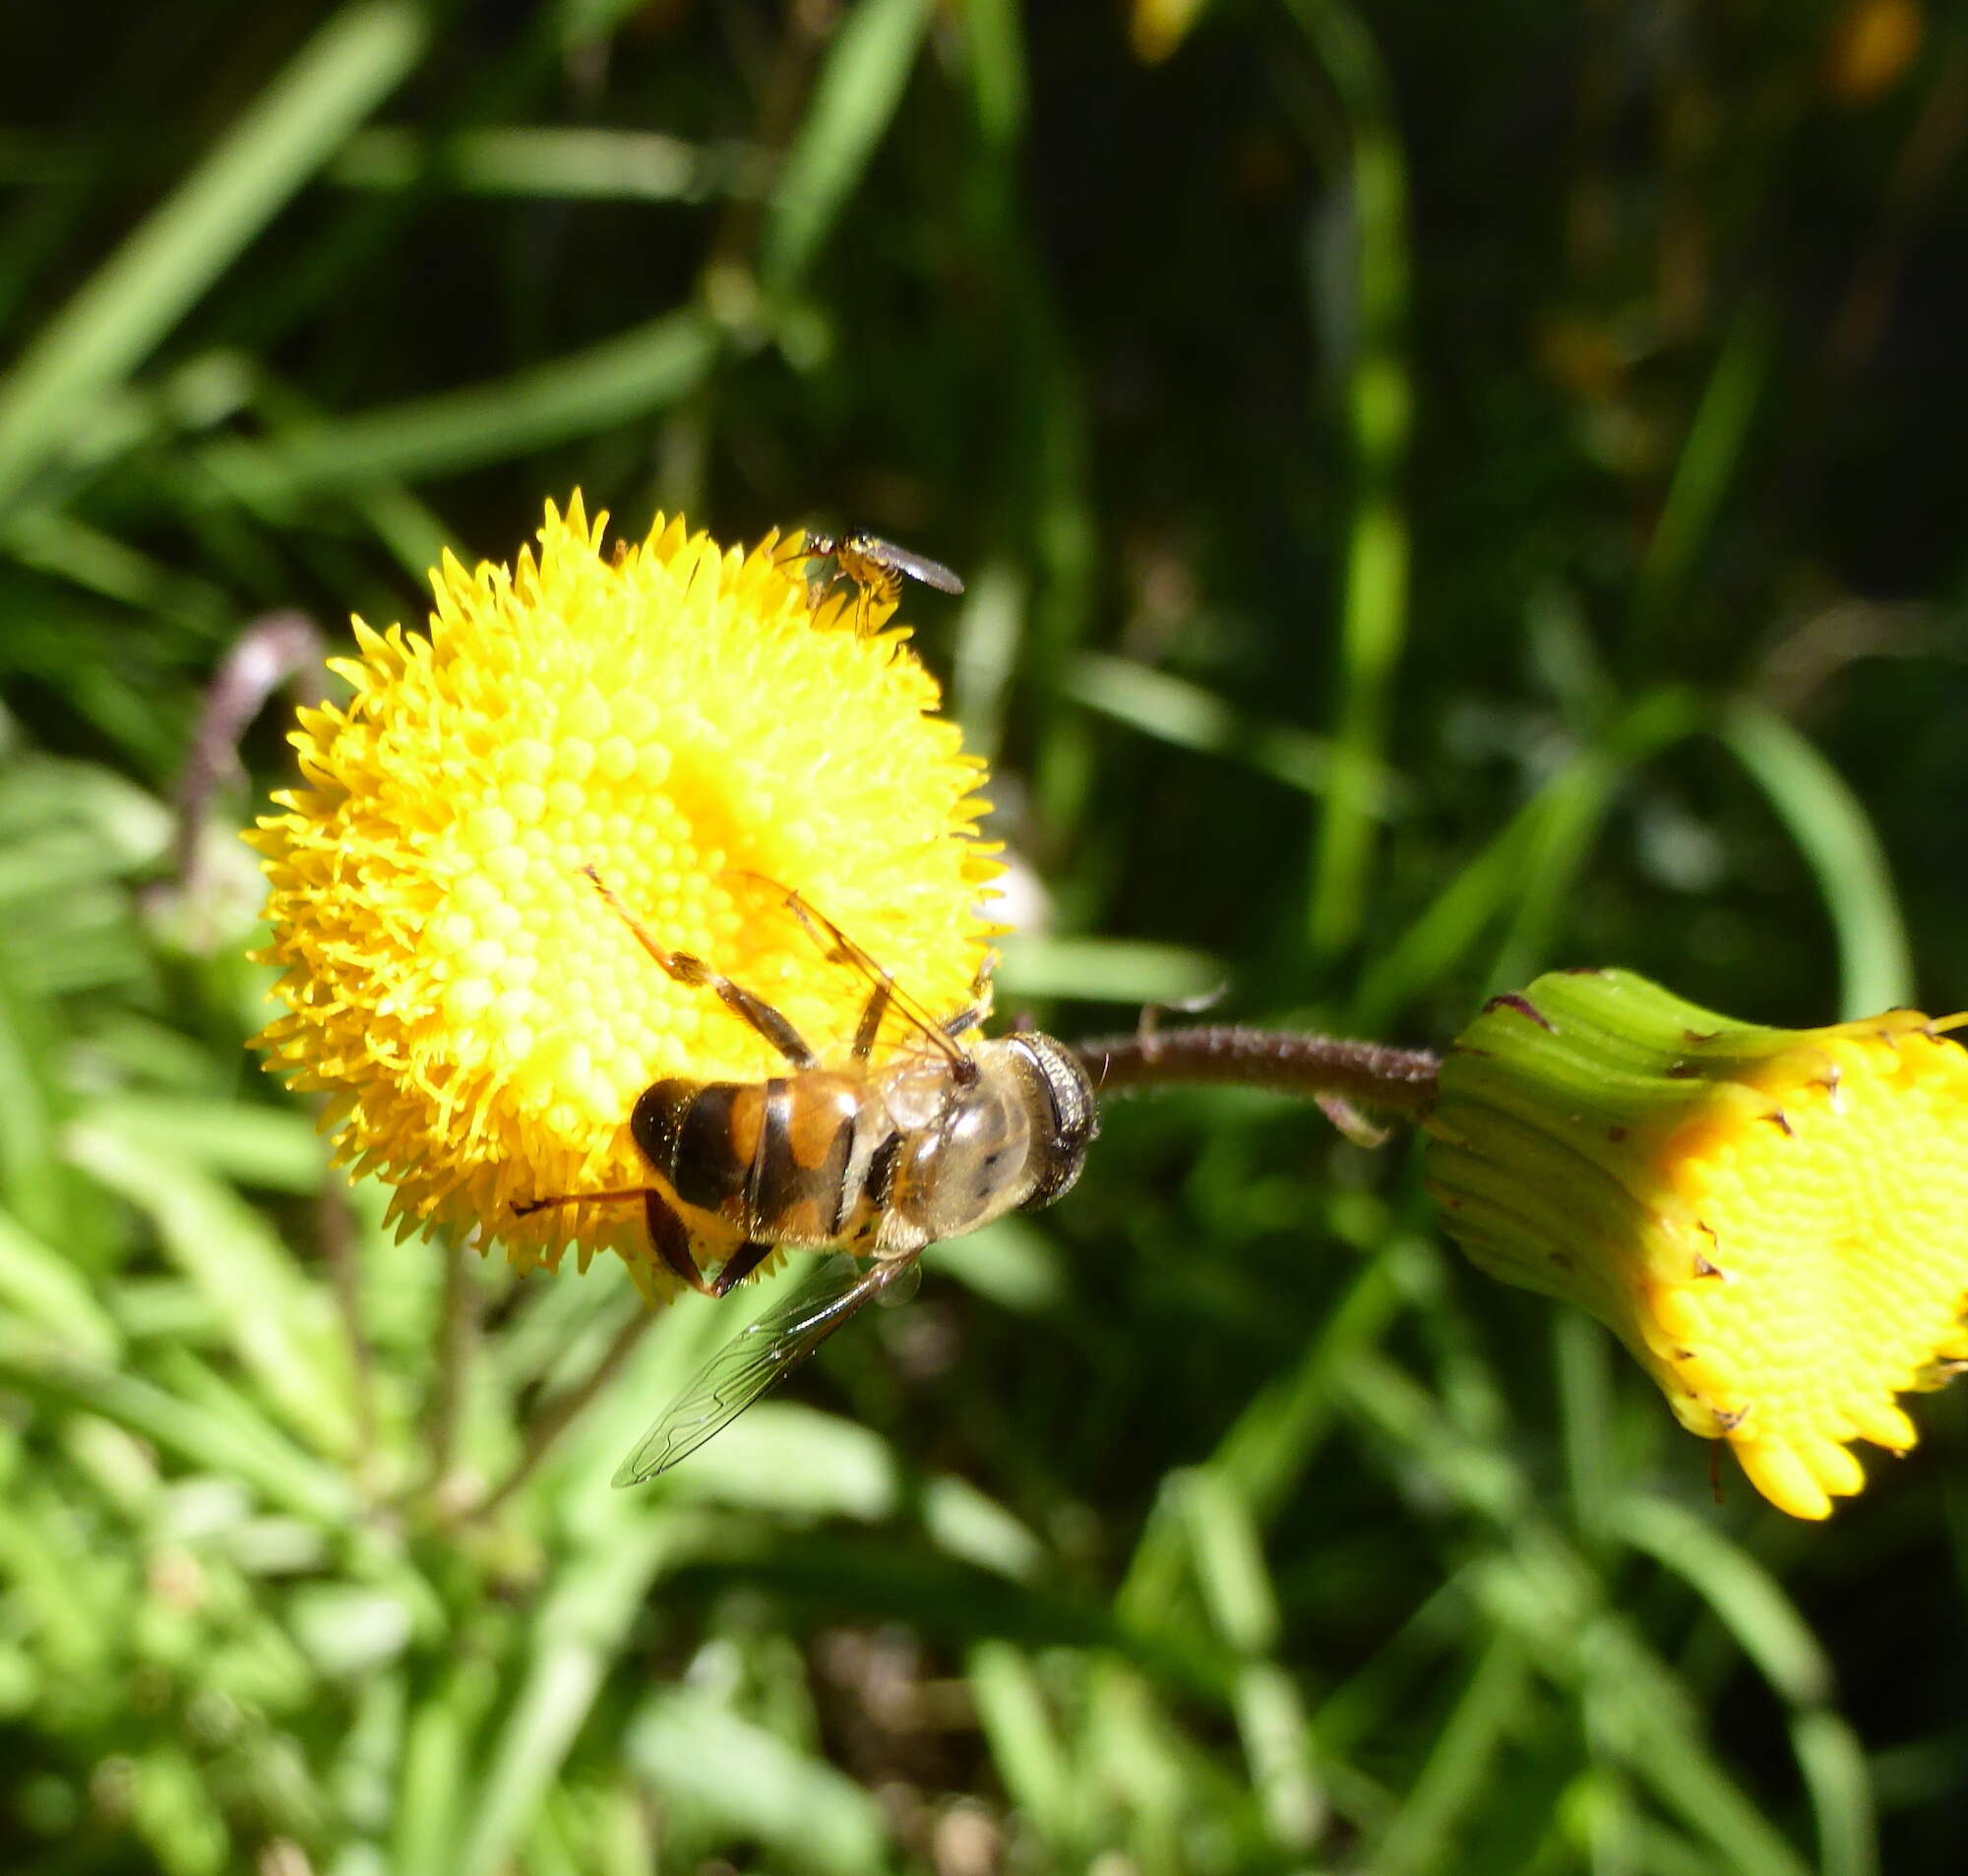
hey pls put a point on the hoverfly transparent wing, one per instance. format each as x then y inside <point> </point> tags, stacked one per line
<point>838,949</point>
<point>758,1359</point>
<point>899,560</point>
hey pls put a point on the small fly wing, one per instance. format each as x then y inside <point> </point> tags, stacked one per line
<point>932,572</point>
<point>755,1361</point>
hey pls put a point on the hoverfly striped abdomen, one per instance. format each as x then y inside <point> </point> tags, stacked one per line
<point>775,1159</point>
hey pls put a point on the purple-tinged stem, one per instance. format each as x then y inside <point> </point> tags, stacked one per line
<point>1366,1074</point>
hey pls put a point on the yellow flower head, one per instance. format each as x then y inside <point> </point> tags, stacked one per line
<point>1775,1222</point>
<point>682,720</point>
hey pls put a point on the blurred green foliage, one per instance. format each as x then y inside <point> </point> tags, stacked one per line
<point>1445,491</point>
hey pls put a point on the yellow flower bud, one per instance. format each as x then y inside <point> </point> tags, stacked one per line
<point>1775,1221</point>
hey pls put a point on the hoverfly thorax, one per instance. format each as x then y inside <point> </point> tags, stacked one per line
<point>1013,1135</point>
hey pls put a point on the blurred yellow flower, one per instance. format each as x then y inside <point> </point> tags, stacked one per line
<point>680,718</point>
<point>1775,1222</point>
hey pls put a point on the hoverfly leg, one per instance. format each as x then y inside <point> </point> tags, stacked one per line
<point>671,1238</point>
<point>667,1232</point>
<point>527,1207</point>
<point>870,1025</point>
<point>751,1010</point>
<point>739,1265</point>
<point>966,1018</point>
<point>900,1282</point>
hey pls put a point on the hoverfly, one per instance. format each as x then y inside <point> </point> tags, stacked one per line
<point>877,566</point>
<point>879,1161</point>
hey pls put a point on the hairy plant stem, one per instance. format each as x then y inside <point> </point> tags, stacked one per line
<point>1366,1074</point>
<point>335,1228</point>
<point>456,1340</point>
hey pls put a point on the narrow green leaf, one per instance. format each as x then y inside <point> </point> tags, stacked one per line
<point>1185,716</point>
<point>758,1786</point>
<point>865,71</point>
<point>1105,970</point>
<point>1272,1440</point>
<point>38,1282</point>
<point>1277,1744</point>
<point>1372,624</point>
<point>206,1438</point>
<point>33,1183</point>
<point>160,273</point>
<point>274,1147</point>
<point>1492,1698</point>
<point>282,1328</point>
<point>1747,1599</point>
<point>1668,1749</point>
<point>1229,1559</point>
<point>425,1830</point>
<point>572,163</point>
<point>1836,837</point>
<point>1025,1748</point>
<point>580,1630</point>
<point>1832,1758</point>
<point>578,395</point>
<point>1710,455</point>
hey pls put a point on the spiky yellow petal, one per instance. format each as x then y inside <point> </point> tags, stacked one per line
<point>1775,1221</point>
<point>677,717</point>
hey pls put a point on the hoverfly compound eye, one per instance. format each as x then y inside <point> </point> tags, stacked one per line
<point>1075,1116</point>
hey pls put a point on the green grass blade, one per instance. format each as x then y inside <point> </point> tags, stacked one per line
<point>1228,1559</point>
<point>203,1436</point>
<point>1379,401</point>
<point>758,1786</point>
<point>277,1148</point>
<point>279,1325</point>
<point>598,389</point>
<point>1838,842</point>
<point>1186,716</point>
<point>1747,1600</point>
<point>1544,842</point>
<point>33,1183</point>
<point>1492,1701</point>
<point>572,165</point>
<point>116,320</point>
<point>1025,1747</point>
<point>1104,970</point>
<point>1709,458</point>
<point>580,1628</point>
<point>1667,1747</point>
<point>40,1285</point>
<point>1272,1442</point>
<point>426,1828</point>
<point>1278,1747</point>
<point>1832,1759</point>
<point>866,68</point>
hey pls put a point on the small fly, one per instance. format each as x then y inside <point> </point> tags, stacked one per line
<point>877,566</point>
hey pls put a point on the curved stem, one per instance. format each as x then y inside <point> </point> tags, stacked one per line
<point>1285,1061</point>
